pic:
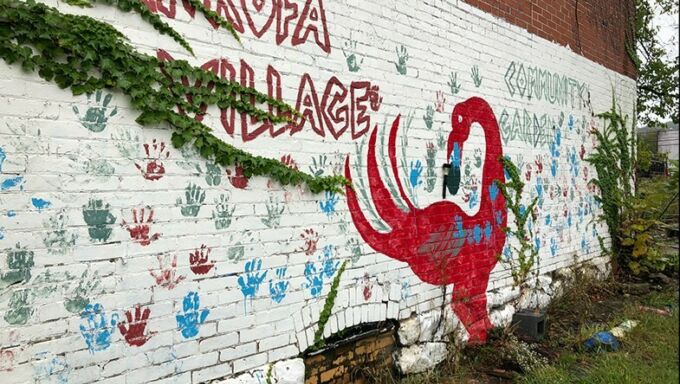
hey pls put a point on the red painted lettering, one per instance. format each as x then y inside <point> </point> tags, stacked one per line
<point>264,8</point>
<point>308,105</point>
<point>313,20</point>
<point>334,107</point>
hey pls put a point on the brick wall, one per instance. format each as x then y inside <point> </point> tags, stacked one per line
<point>597,30</point>
<point>124,259</point>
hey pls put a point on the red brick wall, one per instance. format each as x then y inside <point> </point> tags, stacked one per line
<point>595,29</point>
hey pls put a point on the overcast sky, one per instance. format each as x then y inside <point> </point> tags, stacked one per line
<point>668,25</point>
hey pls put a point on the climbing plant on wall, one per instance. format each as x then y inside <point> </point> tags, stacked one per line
<point>86,55</point>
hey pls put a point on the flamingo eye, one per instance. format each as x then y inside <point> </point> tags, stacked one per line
<point>460,118</point>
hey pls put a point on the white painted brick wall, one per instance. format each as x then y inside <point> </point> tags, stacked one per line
<point>62,162</point>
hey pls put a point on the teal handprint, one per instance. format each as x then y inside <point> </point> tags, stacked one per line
<point>96,117</point>
<point>402,56</point>
<point>97,329</point>
<point>222,214</point>
<point>79,297</point>
<point>19,309</point>
<point>278,289</point>
<point>99,219</point>
<point>213,174</point>
<point>19,262</point>
<point>350,55</point>
<point>194,198</point>
<point>428,117</point>
<point>476,77</point>
<point>454,85</point>
<point>58,240</point>
<point>191,318</point>
<point>317,167</point>
<point>274,211</point>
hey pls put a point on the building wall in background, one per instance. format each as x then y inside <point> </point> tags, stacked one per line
<point>127,260</point>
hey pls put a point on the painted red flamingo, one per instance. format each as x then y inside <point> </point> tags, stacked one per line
<point>441,243</point>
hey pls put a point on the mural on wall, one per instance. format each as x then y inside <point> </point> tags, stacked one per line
<point>441,243</point>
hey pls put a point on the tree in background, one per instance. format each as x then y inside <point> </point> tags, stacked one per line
<point>657,82</point>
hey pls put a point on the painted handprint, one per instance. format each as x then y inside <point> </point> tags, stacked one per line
<point>353,245</point>
<point>127,142</point>
<point>155,154</point>
<point>19,309</point>
<point>140,228</point>
<point>476,78</point>
<point>198,260</point>
<point>317,167</point>
<point>428,117</point>
<point>328,204</point>
<point>274,211</point>
<point>19,263</point>
<point>431,172</point>
<point>222,215</point>
<point>97,329</point>
<point>454,85</point>
<point>96,117</point>
<point>277,290</point>
<point>330,266</point>
<point>251,281</point>
<point>311,239</point>
<point>167,273</point>
<point>415,173</point>
<point>374,98</point>
<point>98,217</point>
<point>213,174</point>
<point>191,318</point>
<point>6,360</point>
<point>368,287</point>
<point>402,56</point>
<point>58,240</point>
<point>134,330</point>
<point>353,64</point>
<point>238,180</point>
<point>289,162</point>
<point>314,279</point>
<point>194,197</point>
<point>78,297</point>
<point>440,102</point>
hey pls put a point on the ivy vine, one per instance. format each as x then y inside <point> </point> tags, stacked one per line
<point>325,315</point>
<point>85,55</point>
<point>527,254</point>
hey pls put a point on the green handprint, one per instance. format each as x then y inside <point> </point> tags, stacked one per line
<point>428,117</point>
<point>317,168</point>
<point>430,173</point>
<point>478,158</point>
<point>79,297</point>
<point>441,139</point>
<point>354,246</point>
<point>453,83</point>
<point>58,240</point>
<point>99,219</point>
<point>19,310</point>
<point>194,198</point>
<point>403,57</point>
<point>19,262</point>
<point>222,214</point>
<point>95,118</point>
<point>350,55</point>
<point>274,211</point>
<point>476,78</point>
<point>127,144</point>
<point>213,173</point>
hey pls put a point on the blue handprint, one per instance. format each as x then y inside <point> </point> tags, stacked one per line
<point>460,232</point>
<point>97,330</point>
<point>191,318</point>
<point>414,174</point>
<point>328,205</point>
<point>493,191</point>
<point>252,281</point>
<point>553,247</point>
<point>329,267</point>
<point>314,279</point>
<point>474,199</point>
<point>570,122</point>
<point>278,290</point>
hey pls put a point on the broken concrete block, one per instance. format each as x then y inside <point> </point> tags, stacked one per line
<point>421,357</point>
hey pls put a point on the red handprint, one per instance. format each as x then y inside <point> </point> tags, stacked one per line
<point>166,276</point>
<point>139,232</point>
<point>238,180</point>
<point>198,261</point>
<point>311,239</point>
<point>368,287</point>
<point>583,152</point>
<point>155,154</point>
<point>539,164</point>
<point>289,162</point>
<point>527,175</point>
<point>135,332</point>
